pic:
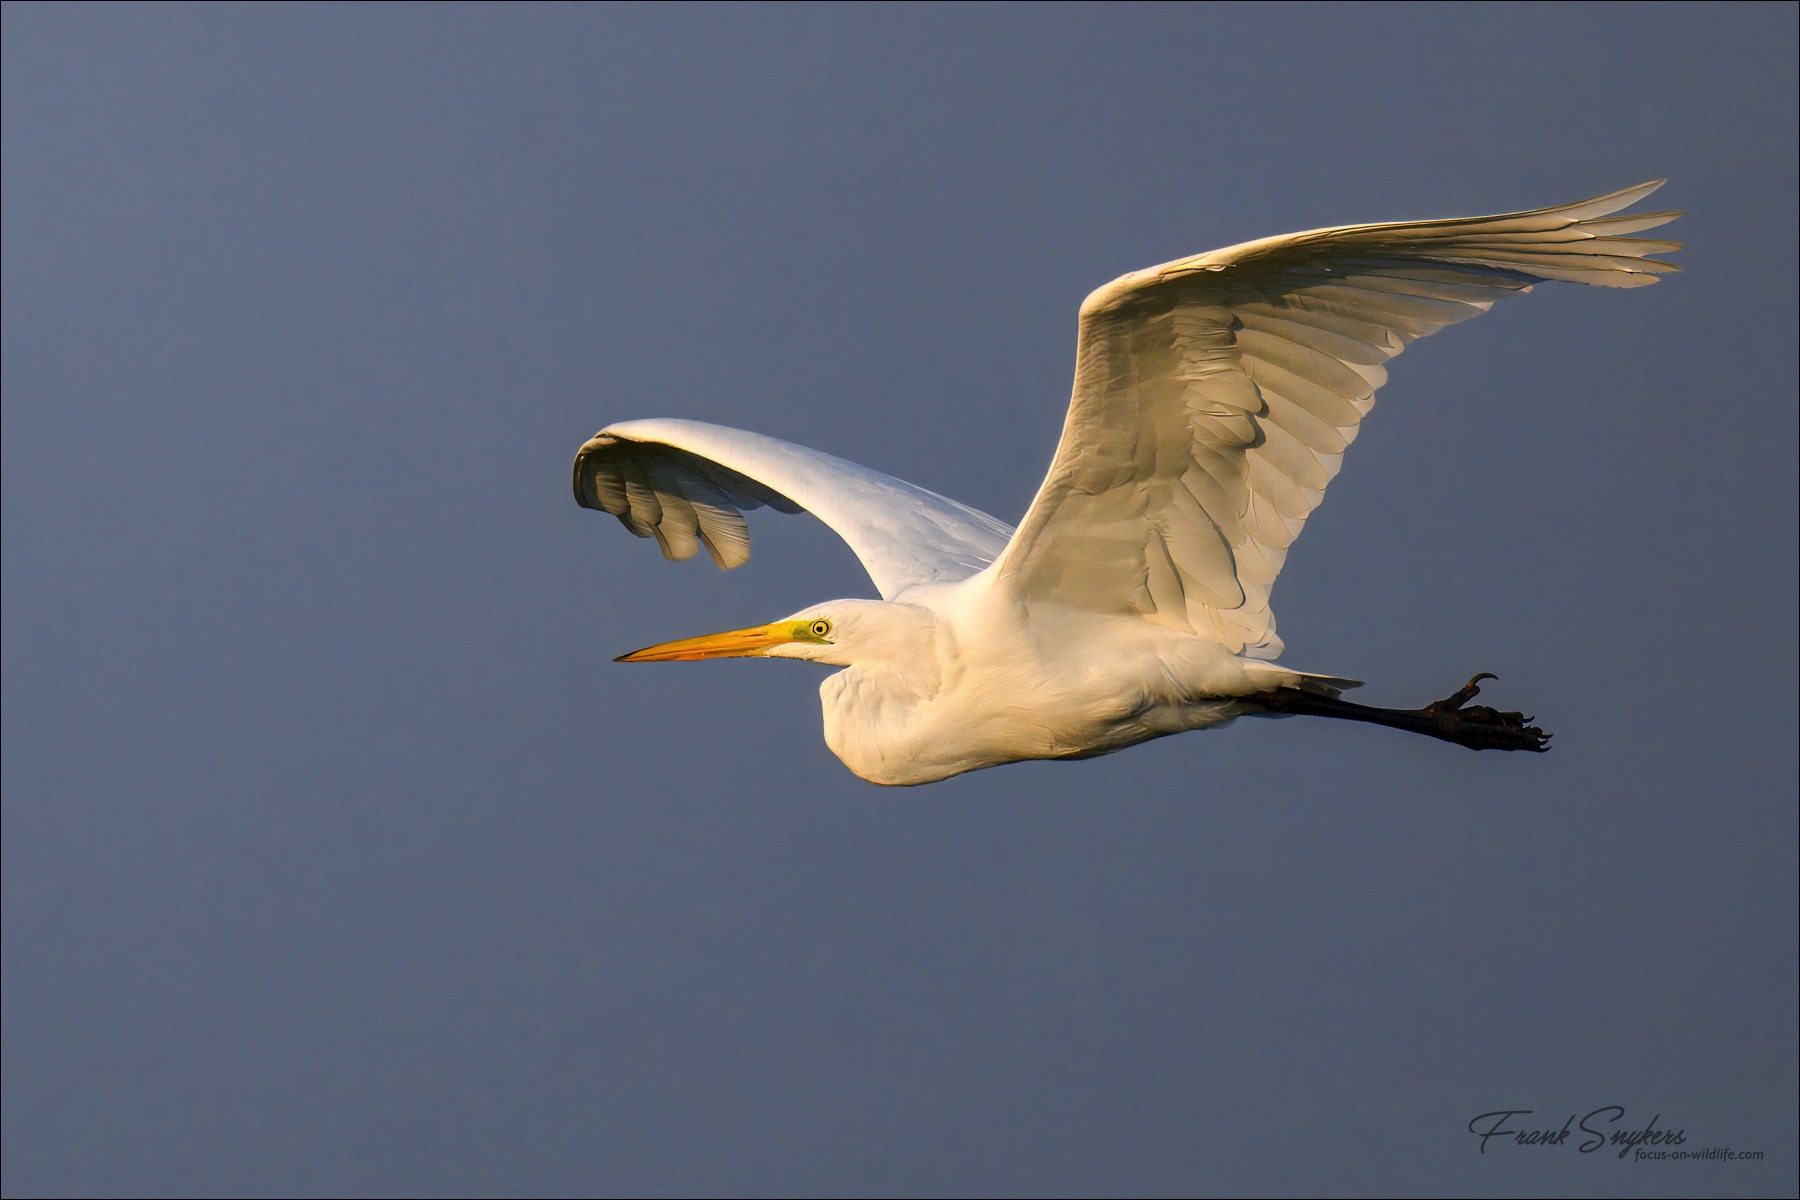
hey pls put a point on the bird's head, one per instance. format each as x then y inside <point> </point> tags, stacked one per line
<point>838,632</point>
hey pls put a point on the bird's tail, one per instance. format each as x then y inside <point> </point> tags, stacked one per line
<point>1306,681</point>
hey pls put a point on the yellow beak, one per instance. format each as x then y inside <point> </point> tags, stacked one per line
<point>737,643</point>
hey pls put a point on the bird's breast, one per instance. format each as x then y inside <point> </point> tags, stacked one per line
<point>1004,709</point>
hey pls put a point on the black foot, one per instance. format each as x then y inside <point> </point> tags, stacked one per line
<point>1480,727</point>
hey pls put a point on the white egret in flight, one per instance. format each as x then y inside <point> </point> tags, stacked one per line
<point>1214,399</point>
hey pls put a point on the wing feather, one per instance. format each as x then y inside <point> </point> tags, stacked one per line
<point>687,484</point>
<point>1215,397</point>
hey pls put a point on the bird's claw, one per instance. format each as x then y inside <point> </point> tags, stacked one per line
<point>1481,727</point>
<point>1462,695</point>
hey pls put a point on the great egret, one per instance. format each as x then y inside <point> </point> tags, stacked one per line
<point>1214,398</point>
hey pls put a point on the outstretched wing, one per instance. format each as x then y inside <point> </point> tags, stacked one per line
<point>1215,395</point>
<point>687,484</point>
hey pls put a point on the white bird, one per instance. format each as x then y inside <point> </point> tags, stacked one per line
<point>1214,398</point>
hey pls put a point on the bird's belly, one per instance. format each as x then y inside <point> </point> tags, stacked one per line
<point>922,740</point>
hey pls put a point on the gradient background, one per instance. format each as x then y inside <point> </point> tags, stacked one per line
<point>341,859</point>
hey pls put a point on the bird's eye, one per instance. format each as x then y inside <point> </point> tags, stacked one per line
<point>820,628</point>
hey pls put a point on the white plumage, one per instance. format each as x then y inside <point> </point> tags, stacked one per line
<point>1214,399</point>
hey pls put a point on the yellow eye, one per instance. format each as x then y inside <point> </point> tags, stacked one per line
<point>820,628</point>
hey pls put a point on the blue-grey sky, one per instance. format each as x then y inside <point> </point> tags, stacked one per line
<point>341,859</point>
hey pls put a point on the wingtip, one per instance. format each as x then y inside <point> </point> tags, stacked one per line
<point>1612,202</point>
<point>582,497</point>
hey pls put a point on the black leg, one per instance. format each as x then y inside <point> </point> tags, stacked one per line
<point>1478,728</point>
